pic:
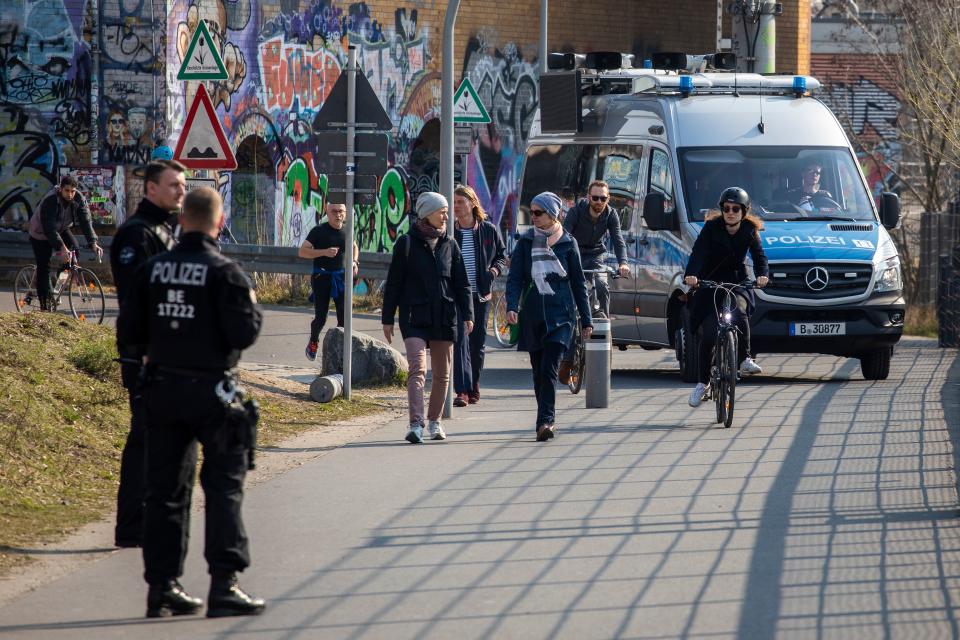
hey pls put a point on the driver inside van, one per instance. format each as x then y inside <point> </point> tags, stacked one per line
<point>809,189</point>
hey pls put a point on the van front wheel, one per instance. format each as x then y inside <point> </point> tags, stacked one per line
<point>875,365</point>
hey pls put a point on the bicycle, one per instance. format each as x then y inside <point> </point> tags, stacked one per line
<point>579,362</point>
<point>84,291</point>
<point>725,360</point>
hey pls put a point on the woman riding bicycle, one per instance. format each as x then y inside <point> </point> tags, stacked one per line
<point>718,255</point>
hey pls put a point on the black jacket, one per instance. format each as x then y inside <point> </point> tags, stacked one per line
<point>590,235</point>
<point>489,252</point>
<point>55,216</point>
<point>190,309</point>
<point>719,256</point>
<point>429,287</point>
<point>146,234</point>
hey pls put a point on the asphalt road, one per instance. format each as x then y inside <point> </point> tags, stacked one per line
<point>828,510</point>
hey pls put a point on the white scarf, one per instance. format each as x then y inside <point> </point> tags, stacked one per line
<point>543,261</point>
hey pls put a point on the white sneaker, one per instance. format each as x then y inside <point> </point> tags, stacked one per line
<point>436,431</point>
<point>415,433</point>
<point>749,366</point>
<point>697,395</point>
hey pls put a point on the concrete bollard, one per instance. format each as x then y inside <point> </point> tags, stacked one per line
<point>598,351</point>
<point>326,388</point>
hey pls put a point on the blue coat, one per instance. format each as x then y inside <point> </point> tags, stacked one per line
<point>548,318</point>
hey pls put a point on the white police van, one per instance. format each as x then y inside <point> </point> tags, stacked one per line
<point>668,142</point>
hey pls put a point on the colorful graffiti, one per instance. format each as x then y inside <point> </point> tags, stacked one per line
<point>103,189</point>
<point>130,86</point>
<point>507,83</point>
<point>44,100</point>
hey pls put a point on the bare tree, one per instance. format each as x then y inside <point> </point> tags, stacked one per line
<point>925,71</point>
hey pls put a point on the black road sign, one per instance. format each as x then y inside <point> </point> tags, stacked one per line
<point>364,188</point>
<point>333,113</point>
<point>370,152</point>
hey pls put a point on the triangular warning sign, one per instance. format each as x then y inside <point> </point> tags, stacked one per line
<point>203,61</point>
<point>467,106</point>
<point>202,143</point>
<point>368,108</point>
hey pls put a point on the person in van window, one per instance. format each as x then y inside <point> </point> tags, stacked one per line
<point>590,222</point>
<point>483,256</point>
<point>546,282</point>
<point>809,189</point>
<point>427,282</point>
<point>718,254</point>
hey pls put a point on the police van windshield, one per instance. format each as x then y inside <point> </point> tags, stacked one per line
<point>784,183</point>
<point>568,170</point>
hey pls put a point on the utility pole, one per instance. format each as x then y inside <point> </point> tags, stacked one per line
<point>351,173</point>
<point>446,139</point>
<point>543,34</point>
<point>755,34</point>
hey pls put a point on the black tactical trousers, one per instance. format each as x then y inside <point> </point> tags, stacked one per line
<point>180,412</point>
<point>129,529</point>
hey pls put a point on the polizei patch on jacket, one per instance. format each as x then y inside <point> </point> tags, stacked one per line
<point>191,274</point>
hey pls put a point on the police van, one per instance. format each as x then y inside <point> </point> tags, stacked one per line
<point>668,138</point>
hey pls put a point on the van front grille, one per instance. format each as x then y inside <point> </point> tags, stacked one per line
<point>843,280</point>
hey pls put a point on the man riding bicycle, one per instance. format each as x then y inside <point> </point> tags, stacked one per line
<point>718,255</point>
<point>590,222</point>
<point>49,231</point>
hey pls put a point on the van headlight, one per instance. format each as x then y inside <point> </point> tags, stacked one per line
<point>890,278</point>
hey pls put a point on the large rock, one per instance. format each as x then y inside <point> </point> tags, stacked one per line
<point>374,361</point>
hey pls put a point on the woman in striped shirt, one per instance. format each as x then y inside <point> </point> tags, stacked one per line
<point>483,255</point>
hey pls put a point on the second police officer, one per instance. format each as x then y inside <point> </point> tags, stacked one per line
<point>193,311</point>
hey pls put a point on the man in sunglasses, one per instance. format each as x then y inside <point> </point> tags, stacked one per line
<point>590,222</point>
<point>804,196</point>
<point>718,254</point>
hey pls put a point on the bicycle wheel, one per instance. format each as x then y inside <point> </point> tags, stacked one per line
<point>717,378</point>
<point>730,376</point>
<point>25,290</point>
<point>86,297</point>
<point>578,366</point>
<point>501,328</point>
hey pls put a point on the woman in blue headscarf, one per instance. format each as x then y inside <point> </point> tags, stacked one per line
<point>545,272</point>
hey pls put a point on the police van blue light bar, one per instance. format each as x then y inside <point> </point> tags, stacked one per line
<point>686,85</point>
<point>799,86</point>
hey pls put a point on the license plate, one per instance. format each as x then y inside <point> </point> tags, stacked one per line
<point>818,328</point>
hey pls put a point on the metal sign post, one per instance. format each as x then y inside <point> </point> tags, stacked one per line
<point>348,249</point>
<point>446,137</point>
<point>336,126</point>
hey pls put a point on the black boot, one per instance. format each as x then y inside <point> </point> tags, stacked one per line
<point>169,599</point>
<point>228,599</point>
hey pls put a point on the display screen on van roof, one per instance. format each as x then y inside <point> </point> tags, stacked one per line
<point>784,183</point>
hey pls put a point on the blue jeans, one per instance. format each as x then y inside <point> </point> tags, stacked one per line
<point>545,363</point>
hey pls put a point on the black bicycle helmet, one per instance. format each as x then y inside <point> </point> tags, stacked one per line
<point>736,195</point>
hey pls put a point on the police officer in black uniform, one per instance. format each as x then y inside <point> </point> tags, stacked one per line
<point>147,233</point>
<point>193,310</point>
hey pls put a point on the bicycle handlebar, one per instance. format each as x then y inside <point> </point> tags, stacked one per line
<point>710,284</point>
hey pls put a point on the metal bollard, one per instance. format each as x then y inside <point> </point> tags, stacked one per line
<point>326,388</point>
<point>598,351</point>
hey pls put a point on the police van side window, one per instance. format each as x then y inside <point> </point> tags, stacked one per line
<point>620,165</point>
<point>661,179</point>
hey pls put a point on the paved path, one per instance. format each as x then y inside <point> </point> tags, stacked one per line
<point>828,510</point>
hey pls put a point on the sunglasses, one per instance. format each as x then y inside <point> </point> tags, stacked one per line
<point>732,208</point>
<point>537,212</point>
<point>599,198</point>
<point>115,121</point>
<point>812,172</point>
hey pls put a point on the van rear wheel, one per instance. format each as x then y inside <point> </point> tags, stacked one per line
<point>875,365</point>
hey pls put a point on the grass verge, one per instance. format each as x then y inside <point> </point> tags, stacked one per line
<point>921,320</point>
<point>64,419</point>
<point>288,289</point>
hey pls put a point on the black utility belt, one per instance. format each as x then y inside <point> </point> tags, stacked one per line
<point>213,375</point>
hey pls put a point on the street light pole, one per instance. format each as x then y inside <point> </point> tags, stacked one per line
<point>543,35</point>
<point>446,139</point>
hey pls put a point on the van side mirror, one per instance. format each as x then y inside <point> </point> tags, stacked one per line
<point>655,214</point>
<point>889,210</point>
